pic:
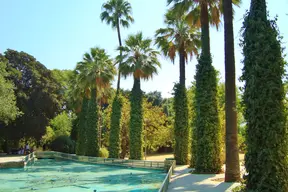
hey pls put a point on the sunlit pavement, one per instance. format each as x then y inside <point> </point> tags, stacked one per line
<point>182,180</point>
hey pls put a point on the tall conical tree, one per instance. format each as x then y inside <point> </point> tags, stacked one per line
<point>266,159</point>
<point>232,171</point>
<point>183,39</point>
<point>117,13</point>
<point>139,60</point>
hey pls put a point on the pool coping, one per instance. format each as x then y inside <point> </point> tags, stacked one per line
<point>17,163</point>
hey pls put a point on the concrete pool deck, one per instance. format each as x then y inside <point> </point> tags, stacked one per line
<point>183,181</point>
<point>5,159</point>
<point>12,161</point>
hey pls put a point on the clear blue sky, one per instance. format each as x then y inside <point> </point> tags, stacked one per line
<point>59,32</point>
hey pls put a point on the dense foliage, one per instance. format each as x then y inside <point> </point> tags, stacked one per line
<point>8,108</point>
<point>207,128</point>
<point>64,78</point>
<point>36,94</point>
<point>181,126</point>
<point>115,128</point>
<point>82,129</point>
<point>58,126</point>
<point>136,122</point>
<point>157,129</point>
<point>63,144</point>
<point>266,136</point>
<point>157,126</point>
<point>92,143</point>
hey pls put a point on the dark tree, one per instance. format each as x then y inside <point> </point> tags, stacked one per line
<point>37,95</point>
<point>155,98</point>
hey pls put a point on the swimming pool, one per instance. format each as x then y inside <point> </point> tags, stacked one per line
<point>52,175</point>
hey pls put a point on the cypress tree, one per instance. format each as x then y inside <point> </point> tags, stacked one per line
<point>92,146</point>
<point>136,121</point>
<point>266,136</point>
<point>82,128</point>
<point>114,138</point>
<point>207,127</point>
<point>182,132</point>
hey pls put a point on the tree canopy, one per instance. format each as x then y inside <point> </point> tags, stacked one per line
<point>37,93</point>
<point>8,108</point>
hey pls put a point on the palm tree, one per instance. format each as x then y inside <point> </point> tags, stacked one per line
<point>140,61</point>
<point>232,171</point>
<point>117,13</point>
<point>80,97</point>
<point>179,38</point>
<point>202,13</point>
<point>183,39</point>
<point>97,71</point>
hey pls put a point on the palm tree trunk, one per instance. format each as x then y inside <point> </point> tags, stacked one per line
<point>232,172</point>
<point>182,68</point>
<point>136,122</point>
<point>205,37</point>
<point>92,147</point>
<point>100,123</point>
<point>120,44</point>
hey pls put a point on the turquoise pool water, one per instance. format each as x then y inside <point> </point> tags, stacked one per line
<point>51,175</point>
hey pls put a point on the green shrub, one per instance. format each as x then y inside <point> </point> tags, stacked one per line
<point>63,144</point>
<point>103,152</point>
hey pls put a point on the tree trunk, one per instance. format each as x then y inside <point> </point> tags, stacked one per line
<point>92,147</point>
<point>100,124</point>
<point>136,122</point>
<point>182,67</point>
<point>232,172</point>
<point>205,37</point>
<point>120,44</point>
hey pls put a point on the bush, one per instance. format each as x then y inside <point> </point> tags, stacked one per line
<point>63,144</point>
<point>103,152</point>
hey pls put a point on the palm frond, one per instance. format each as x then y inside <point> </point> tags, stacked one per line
<point>139,58</point>
<point>116,12</point>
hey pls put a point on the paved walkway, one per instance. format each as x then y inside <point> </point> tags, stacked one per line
<point>11,159</point>
<point>183,181</point>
